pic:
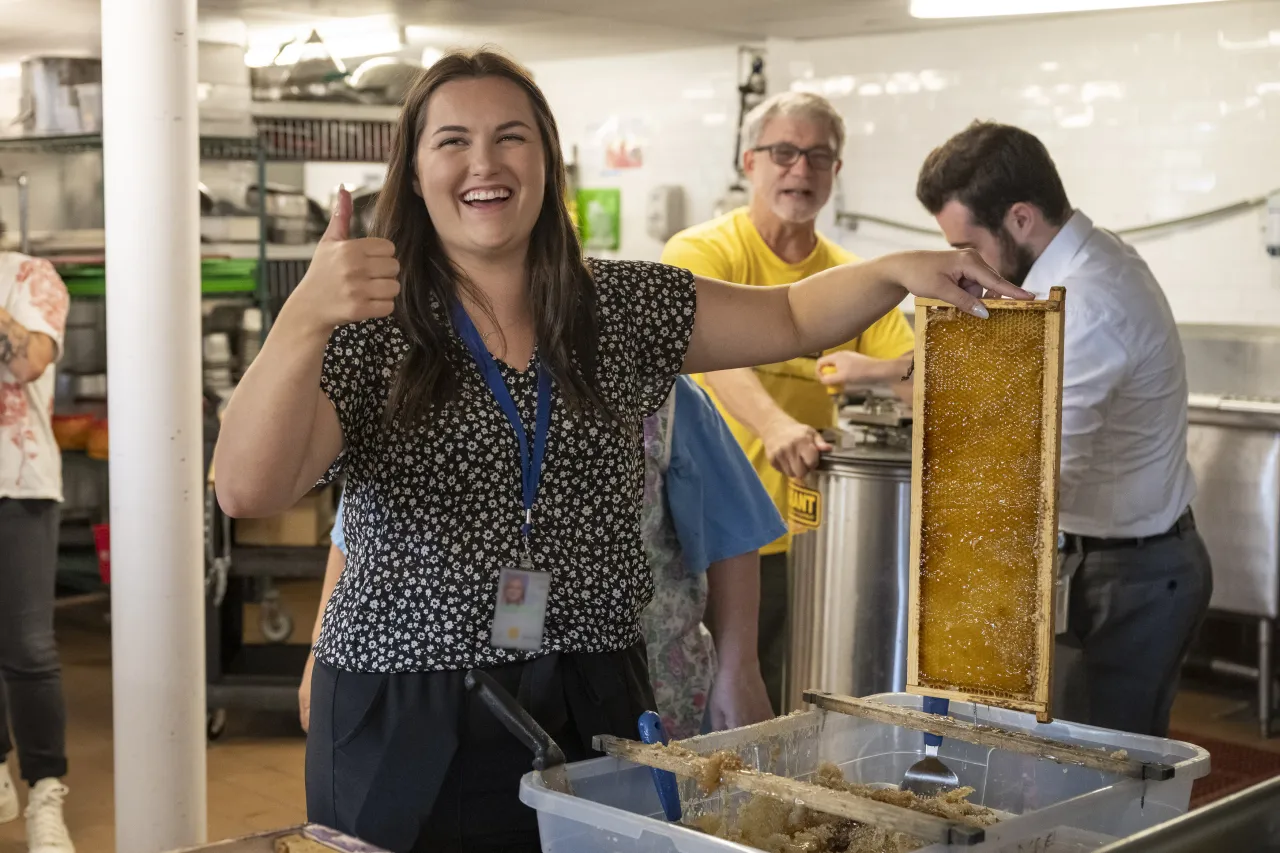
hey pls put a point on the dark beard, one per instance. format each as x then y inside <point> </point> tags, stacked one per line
<point>1015,260</point>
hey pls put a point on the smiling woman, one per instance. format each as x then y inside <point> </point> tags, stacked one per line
<point>488,132</point>
<point>482,386</point>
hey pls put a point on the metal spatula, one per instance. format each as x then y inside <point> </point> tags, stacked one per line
<point>929,777</point>
<point>548,759</point>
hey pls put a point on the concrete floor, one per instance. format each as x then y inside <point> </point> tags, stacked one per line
<point>256,768</point>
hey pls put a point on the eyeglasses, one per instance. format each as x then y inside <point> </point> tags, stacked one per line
<point>784,154</point>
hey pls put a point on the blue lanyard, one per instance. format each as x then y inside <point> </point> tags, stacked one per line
<point>530,463</point>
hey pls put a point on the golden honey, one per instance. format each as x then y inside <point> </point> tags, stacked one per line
<point>982,605</point>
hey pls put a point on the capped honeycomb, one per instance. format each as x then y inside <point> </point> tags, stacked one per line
<point>987,466</point>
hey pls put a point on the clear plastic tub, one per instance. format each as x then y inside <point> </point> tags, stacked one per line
<point>1052,807</point>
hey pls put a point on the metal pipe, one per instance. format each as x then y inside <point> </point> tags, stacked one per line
<point>1242,671</point>
<point>150,169</point>
<point>24,214</point>
<point>850,219</point>
<point>1229,668</point>
<point>1266,689</point>
<point>1264,677</point>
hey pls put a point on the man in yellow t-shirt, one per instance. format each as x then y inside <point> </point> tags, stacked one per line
<point>791,146</point>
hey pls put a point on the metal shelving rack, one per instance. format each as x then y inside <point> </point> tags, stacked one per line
<point>265,676</point>
<point>245,675</point>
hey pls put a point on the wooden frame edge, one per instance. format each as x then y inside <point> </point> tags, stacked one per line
<point>1050,304</point>
<point>1026,706</point>
<point>988,734</point>
<point>917,479</point>
<point>1051,455</point>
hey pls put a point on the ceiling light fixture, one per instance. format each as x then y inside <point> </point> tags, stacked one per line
<point>344,38</point>
<point>1000,8</point>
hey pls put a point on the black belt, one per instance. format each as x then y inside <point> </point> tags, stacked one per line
<point>1071,542</point>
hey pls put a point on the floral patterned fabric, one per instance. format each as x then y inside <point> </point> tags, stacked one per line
<point>30,462</point>
<point>681,655</point>
<point>433,509</point>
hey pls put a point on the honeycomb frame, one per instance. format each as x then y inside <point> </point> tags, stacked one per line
<point>985,632</point>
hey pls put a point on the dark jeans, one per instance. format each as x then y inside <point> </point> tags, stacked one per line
<point>29,664</point>
<point>1133,614</point>
<point>413,763</point>
<point>775,617</point>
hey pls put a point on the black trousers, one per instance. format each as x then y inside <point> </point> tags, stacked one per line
<point>30,673</point>
<point>413,763</point>
<point>1133,614</point>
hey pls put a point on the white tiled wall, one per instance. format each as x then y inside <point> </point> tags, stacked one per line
<point>681,108</point>
<point>1151,115</point>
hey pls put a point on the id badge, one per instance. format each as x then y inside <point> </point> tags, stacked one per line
<point>521,610</point>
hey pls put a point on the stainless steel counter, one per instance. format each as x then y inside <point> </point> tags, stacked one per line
<point>1233,444</point>
<point>1234,449</point>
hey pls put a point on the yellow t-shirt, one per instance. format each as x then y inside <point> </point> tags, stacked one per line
<point>731,249</point>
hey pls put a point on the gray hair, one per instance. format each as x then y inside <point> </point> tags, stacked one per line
<point>801,104</point>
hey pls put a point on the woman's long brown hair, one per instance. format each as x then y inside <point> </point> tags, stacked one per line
<point>561,290</point>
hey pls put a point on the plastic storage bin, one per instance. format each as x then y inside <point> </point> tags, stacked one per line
<point>615,807</point>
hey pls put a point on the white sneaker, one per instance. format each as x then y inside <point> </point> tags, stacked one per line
<point>8,796</point>
<point>46,829</point>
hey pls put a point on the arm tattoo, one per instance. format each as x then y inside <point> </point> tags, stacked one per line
<point>14,342</point>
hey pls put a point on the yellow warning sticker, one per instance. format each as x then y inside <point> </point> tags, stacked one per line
<point>804,507</point>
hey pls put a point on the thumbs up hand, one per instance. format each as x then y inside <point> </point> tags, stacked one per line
<point>348,280</point>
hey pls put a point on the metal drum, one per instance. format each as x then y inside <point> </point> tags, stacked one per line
<point>849,578</point>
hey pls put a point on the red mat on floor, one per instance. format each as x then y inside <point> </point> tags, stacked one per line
<point>1232,767</point>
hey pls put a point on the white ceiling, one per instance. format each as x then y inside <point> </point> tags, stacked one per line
<point>693,19</point>
<point>532,29</point>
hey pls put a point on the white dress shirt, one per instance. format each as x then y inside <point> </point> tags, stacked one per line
<point>1124,388</point>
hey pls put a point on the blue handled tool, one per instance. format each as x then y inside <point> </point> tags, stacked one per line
<point>664,780</point>
<point>929,777</point>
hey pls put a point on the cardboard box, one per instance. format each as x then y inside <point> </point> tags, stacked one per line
<point>306,525</point>
<point>311,838</point>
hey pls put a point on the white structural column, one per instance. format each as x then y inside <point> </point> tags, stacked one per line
<point>150,175</point>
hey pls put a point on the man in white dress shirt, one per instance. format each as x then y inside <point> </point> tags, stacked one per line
<point>1140,577</point>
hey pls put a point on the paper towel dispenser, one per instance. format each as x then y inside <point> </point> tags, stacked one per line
<point>665,214</point>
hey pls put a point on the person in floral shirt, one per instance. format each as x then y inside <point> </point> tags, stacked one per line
<point>705,517</point>
<point>33,316</point>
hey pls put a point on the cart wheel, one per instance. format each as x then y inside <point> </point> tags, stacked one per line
<point>216,723</point>
<point>276,623</point>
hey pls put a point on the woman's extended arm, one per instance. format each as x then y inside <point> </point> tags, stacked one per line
<point>739,326</point>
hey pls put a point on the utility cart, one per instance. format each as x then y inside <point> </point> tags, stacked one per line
<point>247,675</point>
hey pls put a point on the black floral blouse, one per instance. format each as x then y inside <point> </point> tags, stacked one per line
<point>434,512</point>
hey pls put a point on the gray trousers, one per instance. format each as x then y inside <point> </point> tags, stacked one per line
<point>1133,614</point>
<point>29,668</point>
